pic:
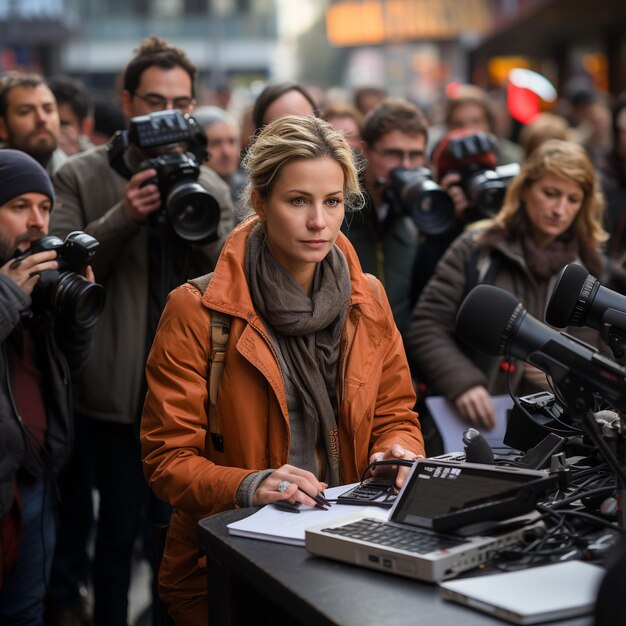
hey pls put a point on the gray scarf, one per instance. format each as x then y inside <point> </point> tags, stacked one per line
<point>307,330</point>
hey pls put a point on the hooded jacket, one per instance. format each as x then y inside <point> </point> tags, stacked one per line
<point>375,397</point>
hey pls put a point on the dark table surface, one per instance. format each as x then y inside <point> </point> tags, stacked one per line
<point>319,592</point>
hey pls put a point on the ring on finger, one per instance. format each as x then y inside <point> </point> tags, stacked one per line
<point>283,485</point>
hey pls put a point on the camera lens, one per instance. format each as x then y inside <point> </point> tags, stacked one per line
<point>78,299</point>
<point>430,207</point>
<point>193,213</point>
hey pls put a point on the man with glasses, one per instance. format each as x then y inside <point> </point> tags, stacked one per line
<point>394,135</point>
<point>139,262</point>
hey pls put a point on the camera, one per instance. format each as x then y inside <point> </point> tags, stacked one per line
<point>417,195</point>
<point>65,291</point>
<point>472,155</point>
<point>190,210</point>
<point>486,188</point>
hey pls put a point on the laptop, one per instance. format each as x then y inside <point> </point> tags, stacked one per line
<point>449,517</point>
<point>531,596</point>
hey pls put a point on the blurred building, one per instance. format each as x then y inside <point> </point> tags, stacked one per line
<point>414,47</point>
<point>562,38</point>
<point>229,40</point>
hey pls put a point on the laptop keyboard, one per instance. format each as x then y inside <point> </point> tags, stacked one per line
<point>383,533</point>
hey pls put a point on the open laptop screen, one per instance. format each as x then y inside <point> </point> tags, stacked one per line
<point>444,495</point>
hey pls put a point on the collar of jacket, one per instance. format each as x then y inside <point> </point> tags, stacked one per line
<point>228,290</point>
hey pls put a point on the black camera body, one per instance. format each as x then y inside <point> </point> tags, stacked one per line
<point>186,206</point>
<point>472,155</point>
<point>486,188</point>
<point>65,291</point>
<point>416,194</point>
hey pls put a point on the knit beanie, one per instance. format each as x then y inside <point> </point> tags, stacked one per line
<point>20,174</point>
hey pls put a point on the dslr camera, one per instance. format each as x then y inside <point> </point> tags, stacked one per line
<point>473,157</point>
<point>414,193</point>
<point>65,291</point>
<point>190,210</point>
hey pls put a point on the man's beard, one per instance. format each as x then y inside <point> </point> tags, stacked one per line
<point>40,149</point>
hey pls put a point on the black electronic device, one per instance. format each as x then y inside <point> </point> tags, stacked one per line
<point>444,495</point>
<point>369,491</point>
<point>539,456</point>
<point>578,299</point>
<point>173,144</point>
<point>477,450</point>
<point>535,416</point>
<point>65,291</point>
<point>417,195</point>
<point>472,157</point>
<point>493,321</point>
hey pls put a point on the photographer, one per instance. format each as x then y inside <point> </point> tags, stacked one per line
<point>384,237</point>
<point>39,349</point>
<point>465,163</point>
<point>144,255</point>
<point>551,216</point>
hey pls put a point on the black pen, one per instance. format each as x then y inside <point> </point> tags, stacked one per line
<point>321,501</point>
<point>285,505</point>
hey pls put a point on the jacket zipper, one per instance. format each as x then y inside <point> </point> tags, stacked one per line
<point>8,383</point>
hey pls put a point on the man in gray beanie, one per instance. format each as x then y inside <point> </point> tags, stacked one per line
<point>38,350</point>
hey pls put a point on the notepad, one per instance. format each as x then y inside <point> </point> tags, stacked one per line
<point>270,524</point>
<point>531,596</point>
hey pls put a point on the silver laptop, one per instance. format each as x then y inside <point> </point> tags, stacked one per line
<point>449,517</point>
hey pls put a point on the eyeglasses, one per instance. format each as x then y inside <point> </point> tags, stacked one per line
<point>156,102</point>
<point>393,155</point>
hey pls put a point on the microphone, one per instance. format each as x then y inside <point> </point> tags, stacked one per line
<point>494,321</point>
<point>578,299</point>
<point>477,450</point>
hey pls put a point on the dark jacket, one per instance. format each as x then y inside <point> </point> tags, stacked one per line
<point>387,250</point>
<point>63,348</point>
<point>441,361</point>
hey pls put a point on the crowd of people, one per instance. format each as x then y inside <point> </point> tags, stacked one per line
<point>301,246</point>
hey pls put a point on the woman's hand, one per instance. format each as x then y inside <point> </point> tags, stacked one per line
<point>303,486</point>
<point>395,452</point>
<point>476,407</point>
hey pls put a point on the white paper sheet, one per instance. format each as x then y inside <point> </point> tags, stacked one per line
<point>270,524</point>
<point>451,425</point>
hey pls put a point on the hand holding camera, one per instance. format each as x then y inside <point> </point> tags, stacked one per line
<point>25,271</point>
<point>63,283</point>
<point>161,154</point>
<point>141,198</point>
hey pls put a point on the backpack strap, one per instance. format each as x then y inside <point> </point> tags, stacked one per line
<point>220,331</point>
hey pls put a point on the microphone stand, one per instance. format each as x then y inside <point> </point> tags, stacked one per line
<point>580,402</point>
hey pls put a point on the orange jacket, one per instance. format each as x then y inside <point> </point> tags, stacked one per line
<point>374,390</point>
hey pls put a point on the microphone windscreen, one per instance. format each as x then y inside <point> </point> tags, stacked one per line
<point>565,295</point>
<point>483,318</point>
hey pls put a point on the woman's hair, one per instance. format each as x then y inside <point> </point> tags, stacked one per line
<point>566,160</point>
<point>544,127</point>
<point>294,137</point>
<point>273,92</point>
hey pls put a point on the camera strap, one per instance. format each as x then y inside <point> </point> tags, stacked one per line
<point>220,330</point>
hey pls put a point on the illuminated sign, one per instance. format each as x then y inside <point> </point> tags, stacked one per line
<point>353,23</point>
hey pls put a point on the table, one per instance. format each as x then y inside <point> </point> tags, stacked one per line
<point>261,582</point>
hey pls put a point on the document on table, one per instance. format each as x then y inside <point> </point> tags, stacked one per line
<point>451,425</point>
<point>270,524</point>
